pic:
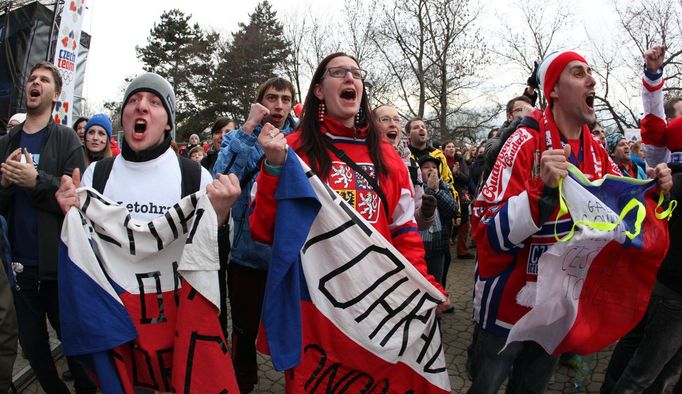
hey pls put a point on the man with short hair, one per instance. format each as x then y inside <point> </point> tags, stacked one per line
<point>241,154</point>
<point>518,107</point>
<point>221,127</point>
<point>34,155</point>
<point>673,108</point>
<point>388,123</point>
<point>598,131</point>
<point>513,221</point>
<point>619,150</point>
<point>418,138</point>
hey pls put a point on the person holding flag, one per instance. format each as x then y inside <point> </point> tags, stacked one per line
<point>514,216</point>
<point>337,138</point>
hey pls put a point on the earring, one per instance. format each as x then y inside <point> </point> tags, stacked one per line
<point>321,109</point>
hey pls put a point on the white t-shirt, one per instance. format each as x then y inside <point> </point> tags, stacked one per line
<point>148,188</point>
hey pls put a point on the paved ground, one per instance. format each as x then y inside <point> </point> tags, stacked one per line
<point>457,329</point>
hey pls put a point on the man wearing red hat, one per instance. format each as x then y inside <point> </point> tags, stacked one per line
<point>511,216</point>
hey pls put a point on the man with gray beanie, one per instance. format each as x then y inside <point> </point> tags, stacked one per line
<point>148,178</point>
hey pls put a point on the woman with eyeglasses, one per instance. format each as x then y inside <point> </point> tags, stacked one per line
<point>337,121</point>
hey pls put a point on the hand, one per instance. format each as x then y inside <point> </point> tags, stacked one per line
<point>256,115</point>
<point>664,177</point>
<point>654,57</point>
<point>429,204</point>
<point>66,194</point>
<point>21,174</point>
<point>554,165</point>
<point>458,222</point>
<point>443,306</point>
<point>222,193</point>
<point>532,81</point>
<point>466,197</point>
<point>433,181</point>
<point>5,179</point>
<point>274,145</point>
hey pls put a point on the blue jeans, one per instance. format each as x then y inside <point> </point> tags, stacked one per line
<point>34,301</point>
<point>527,365</point>
<point>650,355</point>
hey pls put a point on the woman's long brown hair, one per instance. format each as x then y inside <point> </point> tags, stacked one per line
<point>312,140</point>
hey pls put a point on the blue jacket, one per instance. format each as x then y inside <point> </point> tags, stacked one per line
<point>241,152</point>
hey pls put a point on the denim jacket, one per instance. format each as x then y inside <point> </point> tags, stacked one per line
<point>240,151</point>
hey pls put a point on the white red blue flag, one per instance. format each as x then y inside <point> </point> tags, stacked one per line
<point>344,310</point>
<point>140,300</point>
<point>595,287</point>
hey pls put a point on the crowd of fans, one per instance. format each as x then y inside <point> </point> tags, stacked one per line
<point>427,198</point>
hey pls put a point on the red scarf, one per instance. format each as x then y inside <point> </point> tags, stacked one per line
<point>334,127</point>
<point>589,164</point>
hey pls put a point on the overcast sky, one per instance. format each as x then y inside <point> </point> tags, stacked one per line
<point>117,26</point>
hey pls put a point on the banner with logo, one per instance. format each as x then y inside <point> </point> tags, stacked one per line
<point>344,311</point>
<point>65,55</point>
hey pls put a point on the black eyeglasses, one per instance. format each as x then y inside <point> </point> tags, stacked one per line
<point>340,72</point>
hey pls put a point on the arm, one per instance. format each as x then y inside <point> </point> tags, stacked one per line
<point>507,210</point>
<point>404,233</point>
<point>653,125</point>
<point>264,205</point>
<point>447,206</point>
<point>47,184</point>
<point>238,154</point>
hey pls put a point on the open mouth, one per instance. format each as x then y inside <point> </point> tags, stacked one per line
<point>392,135</point>
<point>140,126</point>
<point>590,101</point>
<point>34,93</point>
<point>348,94</point>
<point>277,118</point>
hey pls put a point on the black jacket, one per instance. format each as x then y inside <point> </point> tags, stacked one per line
<point>209,160</point>
<point>60,152</point>
<point>670,273</point>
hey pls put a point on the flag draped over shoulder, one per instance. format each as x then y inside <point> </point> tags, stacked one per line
<point>139,301</point>
<point>343,309</point>
<point>594,288</point>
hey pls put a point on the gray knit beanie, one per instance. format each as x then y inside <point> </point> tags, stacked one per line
<point>154,83</point>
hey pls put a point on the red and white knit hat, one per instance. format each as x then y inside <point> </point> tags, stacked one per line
<point>551,68</point>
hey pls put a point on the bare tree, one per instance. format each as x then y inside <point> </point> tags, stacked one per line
<point>431,51</point>
<point>654,22</point>
<point>537,33</point>
<point>295,32</point>
<point>455,54</point>
<point>402,41</point>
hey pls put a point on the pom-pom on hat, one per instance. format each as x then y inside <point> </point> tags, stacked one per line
<point>99,120</point>
<point>551,68</point>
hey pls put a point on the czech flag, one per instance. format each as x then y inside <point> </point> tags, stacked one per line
<point>344,310</point>
<point>594,286</point>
